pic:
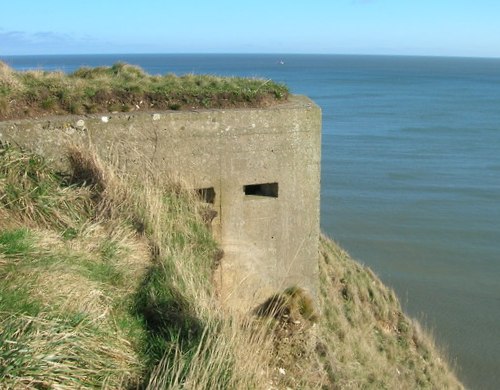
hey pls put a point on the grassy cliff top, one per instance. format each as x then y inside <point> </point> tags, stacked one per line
<point>107,283</point>
<point>124,88</point>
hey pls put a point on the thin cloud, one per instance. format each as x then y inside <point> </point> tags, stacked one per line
<point>13,35</point>
<point>50,36</point>
<point>47,42</point>
<point>16,37</point>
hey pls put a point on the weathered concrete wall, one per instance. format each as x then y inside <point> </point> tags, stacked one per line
<point>270,242</point>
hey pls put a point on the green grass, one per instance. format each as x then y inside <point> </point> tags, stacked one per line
<point>107,283</point>
<point>125,88</point>
<point>15,242</point>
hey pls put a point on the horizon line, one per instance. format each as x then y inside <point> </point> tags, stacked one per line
<point>249,54</point>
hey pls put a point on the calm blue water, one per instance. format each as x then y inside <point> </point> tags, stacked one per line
<point>410,177</point>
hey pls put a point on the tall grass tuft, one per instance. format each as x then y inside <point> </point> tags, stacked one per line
<point>32,191</point>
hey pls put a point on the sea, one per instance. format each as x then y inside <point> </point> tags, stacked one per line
<point>410,176</point>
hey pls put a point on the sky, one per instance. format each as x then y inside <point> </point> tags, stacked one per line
<point>468,28</point>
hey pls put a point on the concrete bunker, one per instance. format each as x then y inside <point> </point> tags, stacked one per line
<point>270,155</point>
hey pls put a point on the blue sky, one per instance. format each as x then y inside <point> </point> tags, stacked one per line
<point>407,27</point>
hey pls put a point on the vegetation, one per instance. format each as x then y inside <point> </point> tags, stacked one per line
<point>124,88</point>
<point>368,341</point>
<point>106,283</point>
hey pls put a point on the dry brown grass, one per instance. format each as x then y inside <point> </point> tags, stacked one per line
<point>231,354</point>
<point>8,77</point>
<point>55,353</point>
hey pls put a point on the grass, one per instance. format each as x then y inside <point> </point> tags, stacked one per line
<point>107,283</point>
<point>366,339</point>
<point>125,88</point>
<point>15,242</point>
